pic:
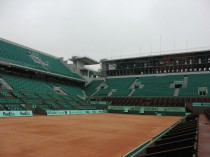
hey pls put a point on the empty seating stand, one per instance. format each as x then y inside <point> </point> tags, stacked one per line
<point>35,93</point>
<point>179,141</point>
<point>91,87</point>
<point>119,86</point>
<point>194,82</point>
<point>21,56</point>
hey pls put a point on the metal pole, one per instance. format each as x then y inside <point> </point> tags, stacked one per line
<point>160,44</point>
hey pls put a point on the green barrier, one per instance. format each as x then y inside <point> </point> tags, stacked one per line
<point>73,112</point>
<point>142,109</point>
<point>16,113</point>
<point>137,149</point>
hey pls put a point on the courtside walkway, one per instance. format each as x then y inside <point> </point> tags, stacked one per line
<point>204,137</point>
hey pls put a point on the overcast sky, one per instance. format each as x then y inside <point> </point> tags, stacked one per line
<point>106,28</point>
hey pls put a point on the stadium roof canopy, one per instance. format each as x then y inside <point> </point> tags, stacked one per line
<point>157,55</point>
<point>85,60</point>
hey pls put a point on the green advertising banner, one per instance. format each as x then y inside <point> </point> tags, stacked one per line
<point>98,102</point>
<point>73,112</point>
<point>200,104</point>
<point>142,109</point>
<point>15,113</point>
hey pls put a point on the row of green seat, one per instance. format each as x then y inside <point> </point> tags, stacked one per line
<point>71,90</point>
<point>24,83</point>
<point>157,85</point>
<point>13,107</point>
<point>55,102</point>
<point>10,101</point>
<point>193,83</point>
<point>121,85</point>
<point>150,86</point>
<point>91,87</point>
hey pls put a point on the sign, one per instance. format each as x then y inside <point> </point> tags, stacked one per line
<point>15,113</point>
<point>98,102</point>
<point>142,109</point>
<point>200,104</point>
<point>73,112</point>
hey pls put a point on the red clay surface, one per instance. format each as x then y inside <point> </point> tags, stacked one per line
<point>204,137</point>
<point>97,135</point>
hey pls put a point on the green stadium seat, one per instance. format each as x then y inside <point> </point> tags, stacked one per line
<point>22,56</point>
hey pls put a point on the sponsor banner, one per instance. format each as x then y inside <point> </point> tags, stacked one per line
<point>143,109</point>
<point>72,112</point>
<point>98,102</point>
<point>200,104</point>
<point>15,113</point>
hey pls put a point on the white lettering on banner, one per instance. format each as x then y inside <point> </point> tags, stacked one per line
<point>69,112</point>
<point>15,113</point>
<point>8,114</point>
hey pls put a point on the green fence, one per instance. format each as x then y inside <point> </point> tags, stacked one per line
<point>73,112</point>
<point>144,110</point>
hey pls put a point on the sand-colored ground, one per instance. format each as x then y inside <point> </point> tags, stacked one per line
<point>98,135</point>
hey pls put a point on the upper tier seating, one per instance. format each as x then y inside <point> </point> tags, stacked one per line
<point>71,90</point>
<point>120,84</point>
<point>19,55</point>
<point>194,82</point>
<point>153,85</point>
<point>91,87</point>
<point>157,85</point>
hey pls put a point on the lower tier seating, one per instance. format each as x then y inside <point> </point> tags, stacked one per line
<point>180,140</point>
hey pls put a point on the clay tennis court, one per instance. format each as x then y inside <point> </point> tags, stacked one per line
<point>98,135</point>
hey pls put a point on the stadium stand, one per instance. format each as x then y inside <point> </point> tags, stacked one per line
<point>26,57</point>
<point>118,87</point>
<point>91,87</point>
<point>180,140</point>
<point>24,83</point>
<point>157,93</point>
<point>152,86</point>
<point>71,90</point>
<point>194,82</point>
<point>37,94</point>
<point>157,85</point>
